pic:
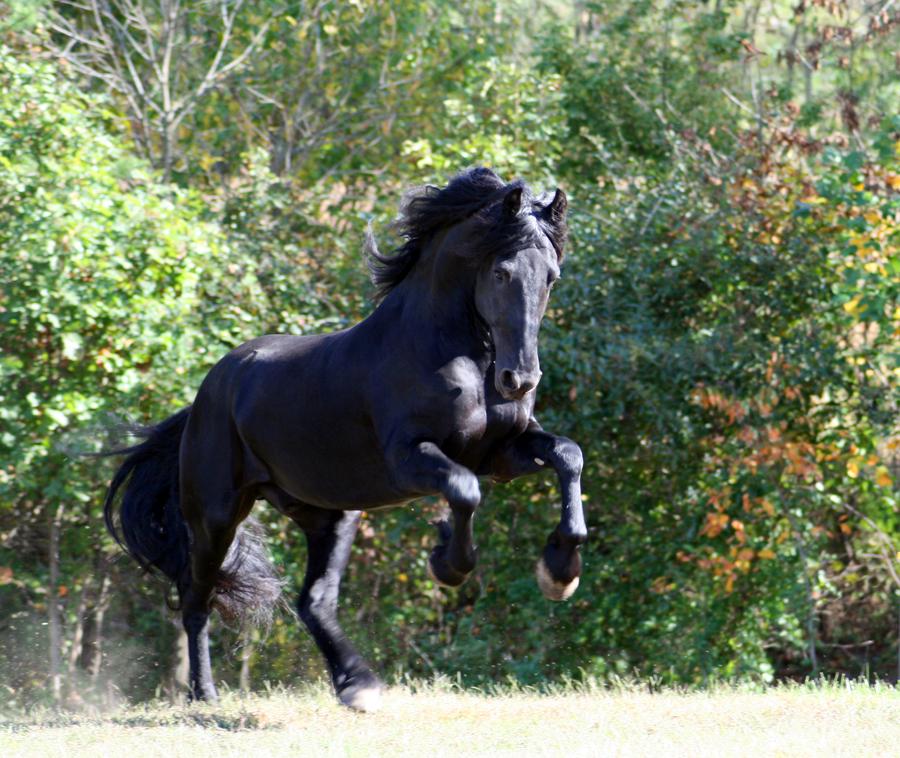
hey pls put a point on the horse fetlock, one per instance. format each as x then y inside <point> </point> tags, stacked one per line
<point>573,538</point>
<point>564,537</point>
<point>442,572</point>
<point>203,693</point>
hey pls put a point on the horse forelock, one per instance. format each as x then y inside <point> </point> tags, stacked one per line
<point>474,193</point>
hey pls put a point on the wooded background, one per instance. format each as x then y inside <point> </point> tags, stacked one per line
<point>178,176</point>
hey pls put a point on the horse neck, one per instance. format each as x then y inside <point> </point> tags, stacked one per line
<point>437,300</point>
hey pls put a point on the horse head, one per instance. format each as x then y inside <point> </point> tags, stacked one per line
<point>513,284</point>
<point>496,242</point>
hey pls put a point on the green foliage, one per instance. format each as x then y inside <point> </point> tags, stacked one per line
<point>105,278</point>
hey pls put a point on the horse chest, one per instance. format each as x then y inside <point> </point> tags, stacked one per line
<point>478,425</point>
<point>507,418</point>
<point>478,417</point>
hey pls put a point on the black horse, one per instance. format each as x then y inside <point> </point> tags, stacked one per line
<point>434,389</point>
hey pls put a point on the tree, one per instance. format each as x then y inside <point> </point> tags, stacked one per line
<point>162,59</point>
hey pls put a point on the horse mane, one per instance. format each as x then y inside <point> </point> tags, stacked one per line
<point>428,209</point>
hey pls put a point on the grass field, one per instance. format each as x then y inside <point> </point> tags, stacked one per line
<point>840,719</point>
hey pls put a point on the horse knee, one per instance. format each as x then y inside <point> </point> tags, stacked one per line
<point>463,491</point>
<point>569,456</point>
<point>317,603</point>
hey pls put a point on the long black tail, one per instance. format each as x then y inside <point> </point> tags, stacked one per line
<point>149,525</point>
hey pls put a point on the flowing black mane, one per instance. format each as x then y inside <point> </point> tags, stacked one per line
<point>426,210</point>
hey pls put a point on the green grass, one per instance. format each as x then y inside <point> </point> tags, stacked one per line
<point>819,719</point>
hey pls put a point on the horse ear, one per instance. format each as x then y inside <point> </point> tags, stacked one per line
<point>512,203</point>
<point>556,210</point>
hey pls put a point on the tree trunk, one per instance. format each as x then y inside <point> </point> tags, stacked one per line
<point>92,641</point>
<point>78,633</point>
<point>53,614</point>
<point>246,654</point>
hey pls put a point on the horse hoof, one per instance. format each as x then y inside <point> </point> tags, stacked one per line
<point>446,577</point>
<point>364,698</point>
<point>208,695</point>
<point>550,588</point>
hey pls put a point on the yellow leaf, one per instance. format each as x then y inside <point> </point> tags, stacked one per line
<point>883,478</point>
<point>766,554</point>
<point>851,305</point>
<point>853,468</point>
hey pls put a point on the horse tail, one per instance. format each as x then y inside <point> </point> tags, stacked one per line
<point>149,525</point>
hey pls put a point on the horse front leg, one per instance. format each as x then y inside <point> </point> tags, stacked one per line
<point>559,567</point>
<point>329,536</point>
<point>426,469</point>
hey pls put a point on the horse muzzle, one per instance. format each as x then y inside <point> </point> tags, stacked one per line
<point>513,385</point>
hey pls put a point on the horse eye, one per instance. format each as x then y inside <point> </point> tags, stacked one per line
<point>500,275</point>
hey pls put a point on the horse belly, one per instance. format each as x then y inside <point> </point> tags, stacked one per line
<point>342,476</point>
<point>304,423</point>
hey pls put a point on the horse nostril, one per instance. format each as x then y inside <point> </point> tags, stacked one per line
<point>509,380</point>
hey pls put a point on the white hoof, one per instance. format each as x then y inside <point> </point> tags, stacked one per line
<point>551,589</point>
<point>367,700</point>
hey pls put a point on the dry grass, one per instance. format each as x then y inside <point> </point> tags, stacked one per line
<point>843,719</point>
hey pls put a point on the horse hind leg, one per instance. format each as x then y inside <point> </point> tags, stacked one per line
<point>329,535</point>
<point>213,530</point>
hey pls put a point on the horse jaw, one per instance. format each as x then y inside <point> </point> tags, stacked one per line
<point>551,589</point>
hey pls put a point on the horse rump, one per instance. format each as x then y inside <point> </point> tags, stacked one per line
<point>148,523</point>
